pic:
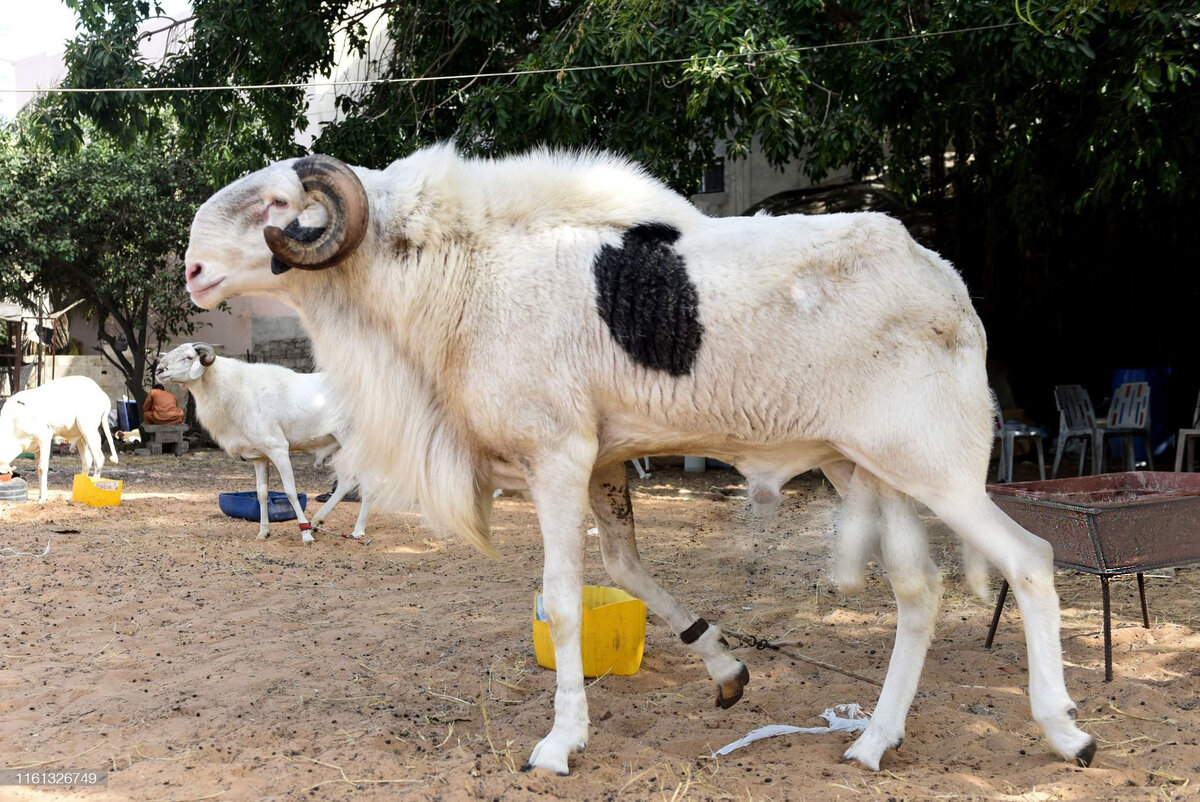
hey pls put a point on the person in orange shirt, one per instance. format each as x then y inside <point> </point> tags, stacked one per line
<point>161,407</point>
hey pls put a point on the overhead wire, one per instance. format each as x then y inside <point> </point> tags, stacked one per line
<point>514,73</point>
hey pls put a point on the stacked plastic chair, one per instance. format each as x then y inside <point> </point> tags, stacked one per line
<point>1007,432</point>
<point>1076,421</point>
<point>1186,440</point>
<point>1128,417</point>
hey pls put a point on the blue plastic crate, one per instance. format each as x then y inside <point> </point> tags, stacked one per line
<point>128,416</point>
<point>244,504</point>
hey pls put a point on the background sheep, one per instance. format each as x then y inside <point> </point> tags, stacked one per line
<point>73,408</point>
<point>541,319</point>
<point>261,413</point>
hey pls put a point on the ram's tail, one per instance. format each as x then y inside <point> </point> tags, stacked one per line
<point>112,449</point>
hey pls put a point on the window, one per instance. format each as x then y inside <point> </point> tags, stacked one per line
<point>714,177</point>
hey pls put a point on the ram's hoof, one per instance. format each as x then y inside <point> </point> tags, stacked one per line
<point>528,767</point>
<point>1084,758</point>
<point>730,691</point>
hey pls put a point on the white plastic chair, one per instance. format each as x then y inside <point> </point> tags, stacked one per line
<point>1076,421</point>
<point>1007,433</point>
<point>1128,417</point>
<point>1187,439</point>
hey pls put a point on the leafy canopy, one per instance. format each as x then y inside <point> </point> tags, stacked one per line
<point>103,223</point>
<point>1104,87</point>
<point>1054,142</point>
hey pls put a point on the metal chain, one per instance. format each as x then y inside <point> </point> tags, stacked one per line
<point>763,643</point>
<point>362,541</point>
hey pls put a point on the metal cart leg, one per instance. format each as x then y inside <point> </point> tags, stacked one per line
<point>987,644</point>
<point>1107,628</point>
<point>1142,593</point>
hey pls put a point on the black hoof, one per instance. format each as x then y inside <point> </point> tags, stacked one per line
<point>1084,758</point>
<point>730,693</point>
<point>528,767</point>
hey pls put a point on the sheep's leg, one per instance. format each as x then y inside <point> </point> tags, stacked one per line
<point>283,464</point>
<point>344,486</point>
<point>904,554</point>
<point>262,471</point>
<point>559,484</point>
<point>858,522</point>
<point>84,453</point>
<point>92,444</point>
<point>1027,562</point>
<point>339,492</point>
<point>360,525</point>
<point>43,461</point>
<point>614,520</point>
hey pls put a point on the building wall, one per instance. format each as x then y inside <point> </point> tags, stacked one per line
<point>752,179</point>
<point>94,366</point>
<point>259,328</point>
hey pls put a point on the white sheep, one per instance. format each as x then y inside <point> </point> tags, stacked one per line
<point>261,413</point>
<point>73,408</point>
<point>541,319</point>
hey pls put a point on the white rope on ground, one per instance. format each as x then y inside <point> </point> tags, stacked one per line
<point>9,551</point>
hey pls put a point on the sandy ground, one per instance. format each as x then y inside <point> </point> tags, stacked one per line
<point>161,641</point>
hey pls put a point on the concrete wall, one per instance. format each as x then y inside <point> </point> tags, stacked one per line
<point>94,366</point>
<point>753,179</point>
<point>266,330</point>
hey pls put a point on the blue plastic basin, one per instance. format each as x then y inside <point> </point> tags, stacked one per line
<point>245,505</point>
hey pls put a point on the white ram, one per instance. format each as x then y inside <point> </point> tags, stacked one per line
<point>262,413</point>
<point>73,408</point>
<point>542,318</point>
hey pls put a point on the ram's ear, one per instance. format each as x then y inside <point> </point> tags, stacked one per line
<point>196,370</point>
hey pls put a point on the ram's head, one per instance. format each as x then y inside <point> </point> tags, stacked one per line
<point>308,213</point>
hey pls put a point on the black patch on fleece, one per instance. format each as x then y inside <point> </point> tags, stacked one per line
<point>299,233</point>
<point>645,296</point>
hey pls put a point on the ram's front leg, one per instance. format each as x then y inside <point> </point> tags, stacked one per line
<point>614,520</point>
<point>262,470</point>
<point>283,464</point>
<point>558,484</point>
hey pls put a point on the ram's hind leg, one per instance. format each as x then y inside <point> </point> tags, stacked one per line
<point>1027,562</point>
<point>858,524</point>
<point>884,520</point>
<point>614,520</point>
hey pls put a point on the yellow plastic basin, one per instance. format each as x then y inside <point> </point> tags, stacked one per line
<point>96,492</point>
<point>613,632</point>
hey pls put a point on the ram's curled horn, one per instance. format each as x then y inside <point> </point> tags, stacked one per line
<point>206,353</point>
<point>332,184</point>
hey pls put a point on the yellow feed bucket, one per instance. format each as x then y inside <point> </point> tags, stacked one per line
<point>613,636</point>
<point>96,492</point>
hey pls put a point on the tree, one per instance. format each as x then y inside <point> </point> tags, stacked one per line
<point>1053,143</point>
<point>922,76</point>
<point>102,223</point>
